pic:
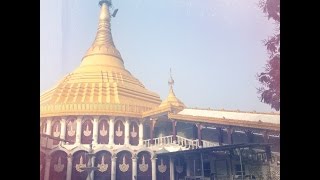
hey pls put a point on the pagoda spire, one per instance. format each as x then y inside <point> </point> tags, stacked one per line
<point>171,98</point>
<point>171,83</point>
<point>103,43</point>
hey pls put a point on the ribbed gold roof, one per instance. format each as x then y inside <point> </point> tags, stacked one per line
<point>101,84</point>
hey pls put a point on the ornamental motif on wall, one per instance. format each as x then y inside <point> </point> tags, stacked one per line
<point>80,165</point>
<point>118,131</point>
<point>87,132</point>
<point>56,132</point>
<point>59,166</point>
<point>162,167</point>
<point>71,131</point>
<point>133,133</point>
<point>103,166</point>
<point>143,166</point>
<point>124,167</point>
<point>103,131</point>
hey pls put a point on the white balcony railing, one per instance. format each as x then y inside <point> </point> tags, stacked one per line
<point>182,141</point>
<point>158,141</point>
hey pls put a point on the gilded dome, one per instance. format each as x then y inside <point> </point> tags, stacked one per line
<point>101,84</point>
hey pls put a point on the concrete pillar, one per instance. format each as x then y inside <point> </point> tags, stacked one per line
<point>113,167</point>
<point>134,168</point>
<point>230,132</point>
<point>126,131</point>
<point>266,136</point>
<point>250,136</point>
<point>78,132</point>
<point>171,168</point>
<point>63,130</point>
<point>154,168</point>
<point>174,131</point>
<point>140,133</point>
<point>49,124</point>
<point>188,166</point>
<point>152,124</point>
<point>219,129</point>
<point>199,126</point>
<point>111,130</point>
<point>92,164</point>
<point>69,167</point>
<point>95,130</point>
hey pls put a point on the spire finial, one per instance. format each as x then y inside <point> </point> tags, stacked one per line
<point>103,43</point>
<point>171,81</point>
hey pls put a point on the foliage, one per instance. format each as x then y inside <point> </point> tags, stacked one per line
<point>270,79</point>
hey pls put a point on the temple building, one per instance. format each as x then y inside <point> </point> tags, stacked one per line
<point>101,123</point>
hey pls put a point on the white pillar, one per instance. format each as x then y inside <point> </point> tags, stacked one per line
<point>92,164</point>
<point>95,130</point>
<point>140,133</point>
<point>63,130</point>
<point>111,130</point>
<point>188,167</point>
<point>78,132</point>
<point>134,168</point>
<point>47,168</point>
<point>113,167</point>
<point>171,169</point>
<point>126,131</point>
<point>212,167</point>
<point>69,167</point>
<point>154,168</point>
<point>49,121</point>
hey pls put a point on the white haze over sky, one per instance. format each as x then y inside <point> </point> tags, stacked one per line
<point>214,47</point>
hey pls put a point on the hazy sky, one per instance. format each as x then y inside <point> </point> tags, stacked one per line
<point>214,47</point>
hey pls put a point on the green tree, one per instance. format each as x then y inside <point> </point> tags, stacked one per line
<point>269,91</point>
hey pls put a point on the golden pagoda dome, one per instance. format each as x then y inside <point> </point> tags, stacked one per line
<point>100,85</point>
<point>171,99</point>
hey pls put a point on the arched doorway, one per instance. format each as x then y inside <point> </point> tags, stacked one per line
<point>103,137</point>
<point>134,133</point>
<point>56,130</point>
<point>163,168</point>
<point>71,130</point>
<point>80,159</point>
<point>124,165</point>
<point>144,166</point>
<point>119,133</point>
<point>103,161</point>
<point>58,166</point>
<point>87,131</point>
